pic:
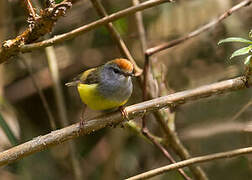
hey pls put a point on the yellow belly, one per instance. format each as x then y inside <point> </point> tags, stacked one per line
<point>89,95</point>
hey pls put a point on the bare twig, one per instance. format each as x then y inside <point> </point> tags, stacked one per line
<point>30,9</point>
<point>59,136</point>
<point>146,133</point>
<point>140,27</point>
<point>244,108</point>
<point>88,27</point>
<point>197,32</point>
<point>178,146</point>
<point>41,95</point>
<point>116,36</point>
<point>134,127</point>
<point>188,162</point>
<point>145,83</point>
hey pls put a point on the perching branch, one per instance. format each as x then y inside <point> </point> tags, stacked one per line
<point>197,32</point>
<point>138,110</point>
<point>188,162</point>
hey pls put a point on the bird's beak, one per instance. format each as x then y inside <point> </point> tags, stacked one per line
<point>129,74</point>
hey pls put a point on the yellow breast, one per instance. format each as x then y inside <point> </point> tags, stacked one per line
<point>91,97</point>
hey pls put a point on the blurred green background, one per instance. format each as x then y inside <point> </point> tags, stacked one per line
<point>205,126</point>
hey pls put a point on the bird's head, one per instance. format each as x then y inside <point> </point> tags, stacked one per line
<point>120,67</point>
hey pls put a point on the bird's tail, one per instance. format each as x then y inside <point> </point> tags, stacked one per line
<point>73,83</point>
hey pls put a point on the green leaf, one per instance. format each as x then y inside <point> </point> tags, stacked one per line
<point>235,39</point>
<point>247,60</point>
<point>241,51</point>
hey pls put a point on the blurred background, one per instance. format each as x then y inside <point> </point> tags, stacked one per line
<point>204,126</point>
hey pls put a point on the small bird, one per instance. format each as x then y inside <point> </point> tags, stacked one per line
<point>106,87</point>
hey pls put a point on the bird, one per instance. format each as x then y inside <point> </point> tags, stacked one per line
<point>106,87</point>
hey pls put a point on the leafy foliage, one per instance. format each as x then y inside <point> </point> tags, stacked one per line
<point>241,51</point>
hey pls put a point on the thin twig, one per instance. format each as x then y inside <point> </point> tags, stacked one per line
<point>137,129</point>
<point>41,95</point>
<point>76,32</point>
<point>146,133</point>
<point>197,32</point>
<point>138,110</point>
<point>178,146</point>
<point>188,162</point>
<point>145,84</point>
<point>244,108</point>
<point>140,27</point>
<point>30,9</point>
<point>116,36</point>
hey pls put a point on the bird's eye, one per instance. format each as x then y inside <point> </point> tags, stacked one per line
<point>116,71</point>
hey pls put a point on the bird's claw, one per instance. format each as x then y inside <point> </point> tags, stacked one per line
<point>124,113</point>
<point>246,81</point>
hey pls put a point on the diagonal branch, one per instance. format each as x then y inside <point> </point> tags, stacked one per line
<point>40,93</point>
<point>188,162</point>
<point>138,110</point>
<point>147,134</point>
<point>76,32</point>
<point>197,32</point>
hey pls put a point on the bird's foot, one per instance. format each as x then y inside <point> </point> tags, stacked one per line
<point>124,113</point>
<point>82,120</point>
<point>81,125</point>
<point>246,81</point>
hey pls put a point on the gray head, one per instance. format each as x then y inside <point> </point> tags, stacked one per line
<point>115,82</point>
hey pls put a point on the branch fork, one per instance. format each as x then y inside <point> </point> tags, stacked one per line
<point>39,26</point>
